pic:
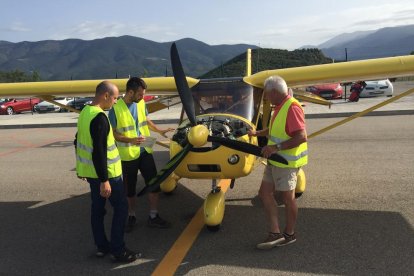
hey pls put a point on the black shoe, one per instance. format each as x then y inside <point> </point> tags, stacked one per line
<point>132,221</point>
<point>126,256</point>
<point>158,222</point>
<point>288,239</point>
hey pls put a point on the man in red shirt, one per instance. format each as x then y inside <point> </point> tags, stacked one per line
<point>287,136</point>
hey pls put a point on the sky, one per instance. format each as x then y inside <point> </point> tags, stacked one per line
<point>274,24</point>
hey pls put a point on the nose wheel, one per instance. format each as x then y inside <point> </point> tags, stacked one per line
<point>214,206</point>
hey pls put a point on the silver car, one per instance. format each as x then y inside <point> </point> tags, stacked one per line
<point>377,88</point>
<point>48,107</point>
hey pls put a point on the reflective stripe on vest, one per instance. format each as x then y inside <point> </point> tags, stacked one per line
<point>142,121</point>
<point>296,157</point>
<point>84,147</point>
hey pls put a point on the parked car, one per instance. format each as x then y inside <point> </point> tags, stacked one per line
<point>13,106</point>
<point>327,91</point>
<point>377,88</point>
<point>79,103</point>
<point>47,107</point>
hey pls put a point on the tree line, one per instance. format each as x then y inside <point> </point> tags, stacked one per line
<point>19,76</point>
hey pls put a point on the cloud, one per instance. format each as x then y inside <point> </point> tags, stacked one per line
<point>91,30</point>
<point>15,27</point>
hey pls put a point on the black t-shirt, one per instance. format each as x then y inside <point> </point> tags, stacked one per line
<point>99,131</point>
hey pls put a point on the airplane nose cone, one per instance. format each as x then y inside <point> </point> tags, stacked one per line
<point>197,135</point>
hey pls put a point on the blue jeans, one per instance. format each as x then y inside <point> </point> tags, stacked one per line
<point>120,213</point>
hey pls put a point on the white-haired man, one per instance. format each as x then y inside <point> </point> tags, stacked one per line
<point>286,136</point>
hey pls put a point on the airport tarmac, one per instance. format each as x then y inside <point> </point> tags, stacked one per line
<point>355,218</point>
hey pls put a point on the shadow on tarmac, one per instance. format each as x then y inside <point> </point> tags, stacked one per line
<point>56,239</point>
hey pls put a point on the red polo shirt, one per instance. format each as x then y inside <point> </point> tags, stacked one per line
<point>295,118</point>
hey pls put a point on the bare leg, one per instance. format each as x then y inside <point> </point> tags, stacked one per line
<point>266,194</point>
<point>153,201</point>
<point>291,209</point>
<point>131,204</point>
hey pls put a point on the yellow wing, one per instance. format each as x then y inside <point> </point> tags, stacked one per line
<point>339,72</point>
<point>156,86</point>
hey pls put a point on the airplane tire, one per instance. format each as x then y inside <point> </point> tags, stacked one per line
<point>213,228</point>
<point>171,192</point>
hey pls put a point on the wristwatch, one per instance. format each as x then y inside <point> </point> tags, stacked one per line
<point>279,147</point>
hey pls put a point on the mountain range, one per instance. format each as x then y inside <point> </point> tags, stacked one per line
<point>385,42</point>
<point>112,57</point>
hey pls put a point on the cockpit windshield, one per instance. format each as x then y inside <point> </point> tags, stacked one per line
<point>224,96</point>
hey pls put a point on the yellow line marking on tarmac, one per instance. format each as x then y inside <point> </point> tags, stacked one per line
<point>182,245</point>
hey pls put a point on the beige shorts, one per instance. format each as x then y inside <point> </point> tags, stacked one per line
<point>284,179</point>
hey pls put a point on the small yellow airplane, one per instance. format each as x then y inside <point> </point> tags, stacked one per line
<point>212,143</point>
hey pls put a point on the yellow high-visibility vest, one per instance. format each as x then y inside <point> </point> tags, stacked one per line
<point>296,157</point>
<point>126,126</point>
<point>142,121</point>
<point>84,147</point>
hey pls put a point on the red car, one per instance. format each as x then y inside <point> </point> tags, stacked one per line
<point>327,91</point>
<point>13,106</point>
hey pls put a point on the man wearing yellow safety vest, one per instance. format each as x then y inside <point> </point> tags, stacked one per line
<point>286,136</point>
<point>131,125</point>
<point>98,161</point>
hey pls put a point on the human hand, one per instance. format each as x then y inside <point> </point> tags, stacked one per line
<point>267,151</point>
<point>162,132</point>
<point>105,189</point>
<point>138,140</point>
<point>252,132</point>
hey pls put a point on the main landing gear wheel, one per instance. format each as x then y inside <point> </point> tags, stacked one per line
<point>170,184</point>
<point>300,184</point>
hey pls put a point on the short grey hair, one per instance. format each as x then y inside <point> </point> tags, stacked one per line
<point>105,86</point>
<point>276,84</point>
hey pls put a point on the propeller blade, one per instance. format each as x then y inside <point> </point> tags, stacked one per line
<point>156,181</point>
<point>182,85</point>
<point>245,147</point>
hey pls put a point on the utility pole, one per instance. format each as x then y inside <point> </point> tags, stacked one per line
<point>346,60</point>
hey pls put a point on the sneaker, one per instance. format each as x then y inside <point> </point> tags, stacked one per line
<point>288,239</point>
<point>132,221</point>
<point>158,222</point>
<point>126,256</point>
<point>273,239</point>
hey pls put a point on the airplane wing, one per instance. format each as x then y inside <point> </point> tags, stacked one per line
<point>161,86</point>
<point>339,72</point>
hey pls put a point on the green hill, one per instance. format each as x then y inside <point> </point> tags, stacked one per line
<point>266,59</point>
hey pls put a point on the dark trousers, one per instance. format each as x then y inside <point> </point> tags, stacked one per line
<point>119,203</point>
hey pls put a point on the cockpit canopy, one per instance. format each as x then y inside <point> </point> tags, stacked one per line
<point>224,96</point>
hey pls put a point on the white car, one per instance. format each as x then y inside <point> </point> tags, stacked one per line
<point>47,107</point>
<point>377,88</point>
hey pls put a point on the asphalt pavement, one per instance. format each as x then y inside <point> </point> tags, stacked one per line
<point>356,216</point>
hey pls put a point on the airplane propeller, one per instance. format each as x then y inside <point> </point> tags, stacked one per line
<point>182,86</point>
<point>198,134</point>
